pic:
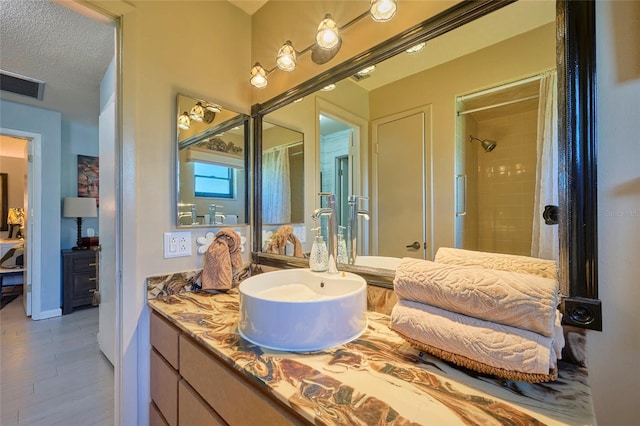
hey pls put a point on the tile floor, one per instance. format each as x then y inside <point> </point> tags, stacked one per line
<point>52,371</point>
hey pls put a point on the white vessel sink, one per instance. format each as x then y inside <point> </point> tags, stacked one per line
<point>384,262</point>
<point>299,310</point>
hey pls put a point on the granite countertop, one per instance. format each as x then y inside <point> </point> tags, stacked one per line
<point>377,378</point>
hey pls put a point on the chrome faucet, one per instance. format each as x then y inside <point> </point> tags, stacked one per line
<point>332,229</point>
<point>354,213</point>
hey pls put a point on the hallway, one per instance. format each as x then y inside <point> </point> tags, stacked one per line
<point>52,371</point>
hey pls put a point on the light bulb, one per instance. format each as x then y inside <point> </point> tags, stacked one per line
<point>286,59</point>
<point>383,10</point>
<point>418,47</point>
<point>327,36</point>
<point>184,122</point>
<point>197,113</point>
<point>258,76</point>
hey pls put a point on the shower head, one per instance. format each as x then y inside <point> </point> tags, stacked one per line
<point>487,144</point>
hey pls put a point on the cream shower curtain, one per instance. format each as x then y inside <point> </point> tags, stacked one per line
<point>276,186</point>
<point>544,243</point>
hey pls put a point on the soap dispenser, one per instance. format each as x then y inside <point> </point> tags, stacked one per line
<point>342,246</point>
<point>319,257</point>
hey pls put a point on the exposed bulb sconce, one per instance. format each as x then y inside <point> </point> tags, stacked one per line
<point>327,42</point>
<point>383,10</point>
<point>184,122</point>
<point>418,47</point>
<point>258,76</point>
<point>286,59</point>
<point>327,36</point>
<point>367,70</point>
<point>197,112</point>
<point>212,107</point>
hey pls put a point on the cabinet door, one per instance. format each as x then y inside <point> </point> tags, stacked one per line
<point>164,337</point>
<point>228,393</point>
<point>193,410</point>
<point>164,388</point>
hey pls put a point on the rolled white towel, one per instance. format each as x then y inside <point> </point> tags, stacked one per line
<point>494,345</point>
<point>503,262</point>
<point>518,300</point>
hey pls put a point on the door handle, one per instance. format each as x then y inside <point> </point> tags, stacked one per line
<point>415,245</point>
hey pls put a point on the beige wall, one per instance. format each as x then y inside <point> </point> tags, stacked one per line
<point>201,48</point>
<point>613,354</point>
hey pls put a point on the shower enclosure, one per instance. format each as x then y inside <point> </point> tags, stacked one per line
<point>496,168</point>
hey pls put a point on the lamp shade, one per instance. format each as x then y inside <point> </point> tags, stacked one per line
<point>79,207</point>
<point>15,216</point>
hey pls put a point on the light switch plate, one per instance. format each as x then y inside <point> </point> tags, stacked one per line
<point>177,244</point>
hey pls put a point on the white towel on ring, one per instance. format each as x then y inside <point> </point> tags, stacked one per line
<point>496,345</point>
<point>503,262</point>
<point>518,300</point>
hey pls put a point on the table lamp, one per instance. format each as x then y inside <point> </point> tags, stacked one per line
<point>15,218</point>
<point>79,207</point>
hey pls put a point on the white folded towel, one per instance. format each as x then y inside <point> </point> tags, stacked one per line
<point>503,262</point>
<point>519,300</point>
<point>504,349</point>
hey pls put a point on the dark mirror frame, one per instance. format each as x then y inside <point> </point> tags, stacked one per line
<point>575,52</point>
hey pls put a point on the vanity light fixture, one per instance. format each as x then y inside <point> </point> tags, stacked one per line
<point>184,122</point>
<point>418,47</point>
<point>383,10</point>
<point>197,112</point>
<point>327,36</point>
<point>286,59</point>
<point>258,76</point>
<point>327,42</point>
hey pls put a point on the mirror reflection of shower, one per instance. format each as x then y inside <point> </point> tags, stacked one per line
<point>487,145</point>
<point>495,194</point>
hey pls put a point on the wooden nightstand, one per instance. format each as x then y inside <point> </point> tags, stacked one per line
<point>79,278</point>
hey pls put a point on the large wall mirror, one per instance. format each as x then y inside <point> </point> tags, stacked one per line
<point>460,144</point>
<point>211,173</point>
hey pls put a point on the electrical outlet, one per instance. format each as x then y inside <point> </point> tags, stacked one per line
<point>177,244</point>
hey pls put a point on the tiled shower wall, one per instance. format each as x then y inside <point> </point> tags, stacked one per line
<point>506,183</point>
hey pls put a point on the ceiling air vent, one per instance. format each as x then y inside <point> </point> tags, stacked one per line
<point>21,85</point>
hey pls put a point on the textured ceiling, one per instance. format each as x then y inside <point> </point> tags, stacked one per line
<point>68,51</point>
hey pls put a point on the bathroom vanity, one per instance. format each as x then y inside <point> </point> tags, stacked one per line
<point>204,372</point>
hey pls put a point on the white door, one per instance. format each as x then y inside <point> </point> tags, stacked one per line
<point>402,192</point>
<point>107,225</point>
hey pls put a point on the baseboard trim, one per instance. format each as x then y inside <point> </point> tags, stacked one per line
<point>47,314</point>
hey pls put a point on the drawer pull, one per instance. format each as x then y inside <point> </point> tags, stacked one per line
<point>93,279</point>
<point>93,264</point>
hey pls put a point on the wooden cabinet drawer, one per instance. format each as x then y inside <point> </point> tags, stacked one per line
<point>164,388</point>
<point>193,410</point>
<point>164,337</point>
<point>155,418</point>
<point>227,392</point>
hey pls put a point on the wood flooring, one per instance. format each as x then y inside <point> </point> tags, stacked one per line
<point>52,371</point>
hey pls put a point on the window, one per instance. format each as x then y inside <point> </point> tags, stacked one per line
<point>213,181</point>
